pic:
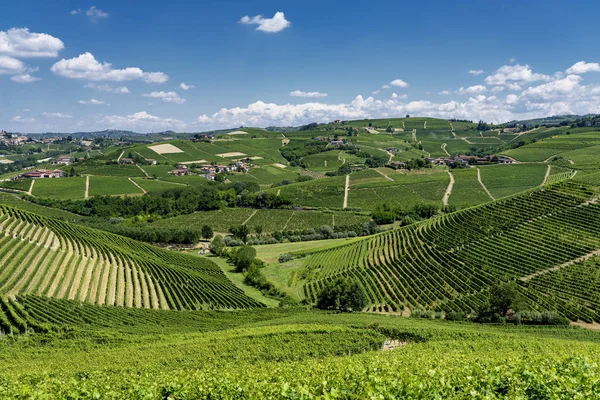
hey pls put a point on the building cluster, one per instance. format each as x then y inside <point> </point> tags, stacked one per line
<point>466,161</point>
<point>42,173</point>
<point>12,140</point>
<point>209,171</point>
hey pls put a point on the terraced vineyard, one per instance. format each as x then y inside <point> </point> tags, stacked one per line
<point>448,263</point>
<point>52,258</point>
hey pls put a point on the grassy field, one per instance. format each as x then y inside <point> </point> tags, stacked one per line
<point>112,186</point>
<point>505,180</point>
<point>467,190</point>
<point>61,188</point>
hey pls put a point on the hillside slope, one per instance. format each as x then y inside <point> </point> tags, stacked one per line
<point>542,239</point>
<point>51,258</point>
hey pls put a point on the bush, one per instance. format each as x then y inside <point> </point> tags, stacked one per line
<point>285,257</point>
<point>343,295</point>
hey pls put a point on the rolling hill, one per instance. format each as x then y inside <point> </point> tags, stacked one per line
<point>545,239</point>
<point>51,258</point>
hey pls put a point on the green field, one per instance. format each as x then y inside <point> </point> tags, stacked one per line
<point>61,188</point>
<point>505,180</point>
<point>467,190</point>
<point>112,186</point>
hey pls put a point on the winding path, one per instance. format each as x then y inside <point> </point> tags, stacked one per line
<point>87,186</point>
<point>346,189</point>
<point>31,187</point>
<point>546,175</point>
<point>449,189</point>
<point>444,149</point>
<point>483,185</point>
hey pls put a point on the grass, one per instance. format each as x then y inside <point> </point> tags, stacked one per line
<point>467,190</point>
<point>112,186</point>
<point>60,188</point>
<point>506,180</point>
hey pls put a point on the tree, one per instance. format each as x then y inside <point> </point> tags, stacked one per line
<point>72,172</point>
<point>243,257</point>
<point>207,232</point>
<point>217,245</point>
<point>342,294</point>
<point>502,299</point>
<point>258,229</point>
<point>240,231</point>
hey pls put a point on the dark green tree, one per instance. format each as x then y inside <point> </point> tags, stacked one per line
<point>207,232</point>
<point>240,232</point>
<point>342,294</point>
<point>217,246</point>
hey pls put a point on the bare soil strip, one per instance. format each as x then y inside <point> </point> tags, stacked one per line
<point>93,292</point>
<point>104,283</point>
<point>425,125</point>
<point>288,220</point>
<point>59,274</point>
<point>80,269</point>
<point>249,218</point>
<point>138,186</point>
<point>138,288</point>
<point>31,187</point>
<point>449,189</point>
<point>153,295</point>
<point>444,149</point>
<point>346,191</point>
<point>547,175</point>
<point>129,279</point>
<point>384,175</point>
<point>120,155</point>
<point>482,184</point>
<point>87,279</point>
<point>120,301</point>
<point>560,266</point>
<point>87,186</point>
<point>143,170</point>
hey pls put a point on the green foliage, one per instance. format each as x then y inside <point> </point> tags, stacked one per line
<point>342,294</point>
<point>243,257</point>
<point>217,245</point>
<point>207,232</point>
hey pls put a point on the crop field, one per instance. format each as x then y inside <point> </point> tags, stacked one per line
<point>107,170</point>
<point>154,185</point>
<point>112,186</point>
<point>56,259</point>
<point>505,180</point>
<point>447,262</point>
<point>60,188</point>
<point>327,161</point>
<point>266,175</point>
<point>301,354</point>
<point>555,146</point>
<point>582,159</point>
<point>327,192</point>
<point>467,190</point>
<point>405,190</point>
<point>270,220</point>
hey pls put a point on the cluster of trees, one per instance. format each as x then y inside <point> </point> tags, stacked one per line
<point>296,150</point>
<point>342,294</point>
<point>169,203</point>
<point>386,214</point>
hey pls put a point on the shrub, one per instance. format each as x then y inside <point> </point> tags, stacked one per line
<point>285,257</point>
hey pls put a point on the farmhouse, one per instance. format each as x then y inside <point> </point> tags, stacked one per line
<point>337,143</point>
<point>151,161</point>
<point>64,160</point>
<point>180,172</point>
<point>126,160</point>
<point>43,173</point>
<point>391,150</point>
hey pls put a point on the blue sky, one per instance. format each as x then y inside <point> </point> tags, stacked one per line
<point>193,66</point>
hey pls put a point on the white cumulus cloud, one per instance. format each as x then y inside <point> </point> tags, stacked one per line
<point>272,25</point>
<point>299,93</point>
<point>10,65</point>
<point>85,66</point>
<point>18,118</point>
<point>24,78</point>
<point>95,13</point>
<point>398,83</point>
<point>475,72</point>
<point>472,89</point>
<point>167,97</point>
<point>56,115</point>
<point>582,67</point>
<point>92,101</point>
<point>19,42</point>
<point>185,87</point>
<point>141,120</point>
<point>108,88</point>
<point>515,73</point>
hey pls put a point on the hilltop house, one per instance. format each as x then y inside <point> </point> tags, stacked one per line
<point>43,173</point>
<point>64,160</point>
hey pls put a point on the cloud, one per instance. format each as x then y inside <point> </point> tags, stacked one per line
<point>75,12</point>
<point>19,42</point>
<point>10,65</point>
<point>155,77</point>
<point>299,93</point>
<point>401,97</point>
<point>141,120</point>
<point>271,25</point>
<point>566,87</point>
<point>582,67</point>
<point>85,66</point>
<point>514,73</point>
<point>167,97</point>
<point>497,89</point>
<point>511,99</point>
<point>398,83</point>
<point>57,115</point>
<point>18,118</point>
<point>108,88</point>
<point>96,13</point>
<point>472,89</point>
<point>92,101</point>
<point>444,92</point>
<point>185,87</point>
<point>24,78</point>
<point>476,72</point>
